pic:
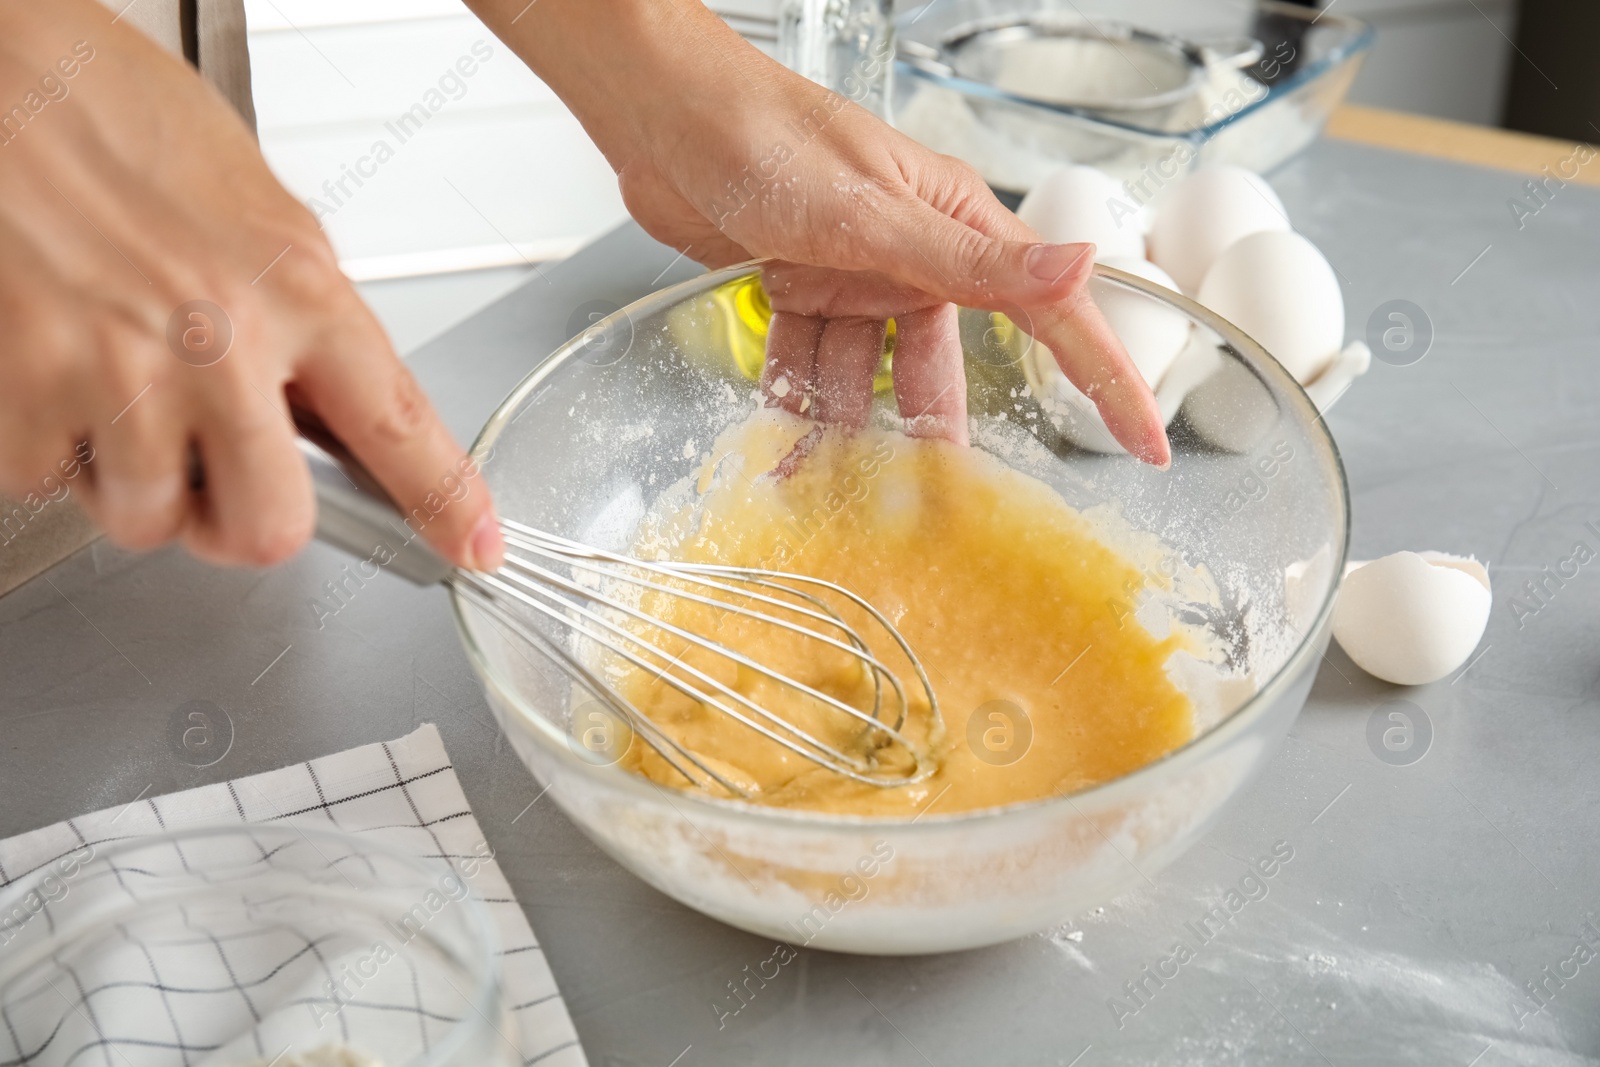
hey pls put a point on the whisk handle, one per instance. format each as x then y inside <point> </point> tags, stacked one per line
<point>354,513</point>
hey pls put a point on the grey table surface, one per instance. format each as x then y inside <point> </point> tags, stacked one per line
<point>1421,901</point>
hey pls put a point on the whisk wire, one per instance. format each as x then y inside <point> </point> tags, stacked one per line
<point>601,691</point>
<point>590,611</point>
<point>692,640</point>
<point>857,646</point>
<point>831,757</point>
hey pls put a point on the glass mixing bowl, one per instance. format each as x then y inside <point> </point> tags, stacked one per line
<point>245,945</point>
<point>1254,508</point>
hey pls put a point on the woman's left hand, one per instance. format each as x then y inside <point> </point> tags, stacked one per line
<point>727,156</point>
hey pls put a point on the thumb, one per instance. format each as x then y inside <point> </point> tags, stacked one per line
<point>950,260</point>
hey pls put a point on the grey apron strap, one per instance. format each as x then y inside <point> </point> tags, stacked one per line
<point>208,33</point>
<point>221,55</point>
<point>159,19</point>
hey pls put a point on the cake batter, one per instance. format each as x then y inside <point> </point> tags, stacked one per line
<point>1019,613</point>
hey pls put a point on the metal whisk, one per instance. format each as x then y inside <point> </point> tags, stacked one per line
<point>594,596</point>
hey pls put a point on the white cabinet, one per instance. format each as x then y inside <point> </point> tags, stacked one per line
<point>421,141</point>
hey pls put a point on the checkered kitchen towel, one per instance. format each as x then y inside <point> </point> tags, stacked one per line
<point>403,793</point>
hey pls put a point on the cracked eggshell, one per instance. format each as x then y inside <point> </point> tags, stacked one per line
<point>1279,289</point>
<point>1413,617</point>
<point>1075,204</point>
<point>1203,215</point>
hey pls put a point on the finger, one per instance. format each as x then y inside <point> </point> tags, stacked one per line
<point>1071,326</point>
<point>1092,357</point>
<point>140,434</point>
<point>371,402</point>
<point>930,381</point>
<point>36,453</point>
<point>42,383</point>
<point>140,495</point>
<point>256,507</point>
<point>788,378</point>
<point>847,359</point>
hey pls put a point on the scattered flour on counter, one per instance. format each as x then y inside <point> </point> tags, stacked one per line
<point>1433,1008</point>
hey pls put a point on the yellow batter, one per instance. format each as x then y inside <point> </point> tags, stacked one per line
<point>1000,587</point>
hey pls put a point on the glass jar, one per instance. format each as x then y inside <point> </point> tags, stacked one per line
<point>846,45</point>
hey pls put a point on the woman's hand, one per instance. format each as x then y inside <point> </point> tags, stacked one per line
<point>162,297</point>
<point>727,156</point>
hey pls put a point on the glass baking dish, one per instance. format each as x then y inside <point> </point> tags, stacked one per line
<point>1253,112</point>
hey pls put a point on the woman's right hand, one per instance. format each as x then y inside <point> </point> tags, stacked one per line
<point>162,296</point>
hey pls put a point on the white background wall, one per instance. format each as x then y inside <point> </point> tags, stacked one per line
<point>504,175</point>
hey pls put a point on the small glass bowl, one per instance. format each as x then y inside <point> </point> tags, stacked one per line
<point>248,944</point>
<point>1256,111</point>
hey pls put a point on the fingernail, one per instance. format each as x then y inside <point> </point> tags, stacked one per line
<point>488,546</point>
<point>1158,453</point>
<point>1049,263</point>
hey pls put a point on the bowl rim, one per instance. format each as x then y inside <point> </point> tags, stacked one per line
<point>1138,781</point>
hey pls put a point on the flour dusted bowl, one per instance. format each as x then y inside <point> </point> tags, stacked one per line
<point>1254,507</point>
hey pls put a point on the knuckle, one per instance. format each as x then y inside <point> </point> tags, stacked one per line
<point>34,371</point>
<point>404,411</point>
<point>239,308</point>
<point>49,332</point>
<point>981,257</point>
<point>961,176</point>
<point>308,270</point>
<point>142,530</point>
<point>44,346</point>
<point>126,353</point>
<point>229,391</point>
<point>272,539</point>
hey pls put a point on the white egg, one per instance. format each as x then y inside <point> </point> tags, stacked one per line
<point>1153,333</point>
<point>1276,287</point>
<point>1231,409</point>
<point>1084,204</point>
<point>1203,215</point>
<point>1413,617</point>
